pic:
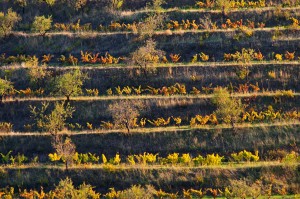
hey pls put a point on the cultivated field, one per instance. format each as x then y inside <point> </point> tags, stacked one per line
<point>149,99</point>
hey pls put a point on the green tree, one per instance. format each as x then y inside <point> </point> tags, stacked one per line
<point>228,108</point>
<point>146,56</point>
<point>7,22</point>
<point>41,24</point>
<point>52,121</point>
<point>124,113</point>
<point>5,87</point>
<point>69,84</point>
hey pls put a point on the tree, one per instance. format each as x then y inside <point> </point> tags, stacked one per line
<point>66,149</point>
<point>5,87</point>
<point>124,113</point>
<point>148,27</point>
<point>54,121</point>
<point>147,55</point>
<point>41,24</point>
<point>228,108</point>
<point>7,22</point>
<point>37,75</point>
<point>69,84</point>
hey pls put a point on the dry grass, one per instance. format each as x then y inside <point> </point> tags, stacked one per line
<point>169,129</point>
<point>186,98</point>
<point>154,167</point>
<point>129,13</point>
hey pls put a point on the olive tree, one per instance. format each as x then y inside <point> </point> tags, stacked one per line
<point>52,121</point>
<point>228,108</point>
<point>41,24</point>
<point>7,22</point>
<point>124,113</point>
<point>69,84</point>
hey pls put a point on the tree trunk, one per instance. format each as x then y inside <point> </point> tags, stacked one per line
<point>67,165</point>
<point>68,99</point>
<point>127,127</point>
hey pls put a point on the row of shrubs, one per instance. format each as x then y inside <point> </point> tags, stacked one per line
<point>234,189</point>
<point>252,116</point>
<point>174,159</point>
<point>245,55</point>
<point>180,89</point>
<point>176,89</point>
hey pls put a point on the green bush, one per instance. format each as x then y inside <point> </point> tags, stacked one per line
<point>41,24</point>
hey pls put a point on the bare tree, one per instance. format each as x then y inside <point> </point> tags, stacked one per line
<point>147,28</point>
<point>146,56</point>
<point>124,113</point>
<point>66,149</point>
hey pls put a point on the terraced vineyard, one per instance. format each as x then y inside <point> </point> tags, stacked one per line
<point>149,99</point>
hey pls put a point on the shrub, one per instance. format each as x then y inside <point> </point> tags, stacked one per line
<point>5,87</point>
<point>212,159</point>
<point>66,189</point>
<point>136,191</point>
<point>228,109</point>
<point>292,157</point>
<point>245,156</point>
<point>289,56</point>
<point>6,127</point>
<point>41,24</point>
<point>116,4</point>
<point>7,22</point>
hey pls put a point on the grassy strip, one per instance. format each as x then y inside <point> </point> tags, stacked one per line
<point>158,129</point>
<point>225,166</point>
<point>203,10</point>
<point>92,34</point>
<point>163,141</point>
<point>136,97</point>
<point>169,179</point>
<point>161,65</point>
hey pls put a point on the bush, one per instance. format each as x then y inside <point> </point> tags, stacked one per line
<point>7,22</point>
<point>41,24</point>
